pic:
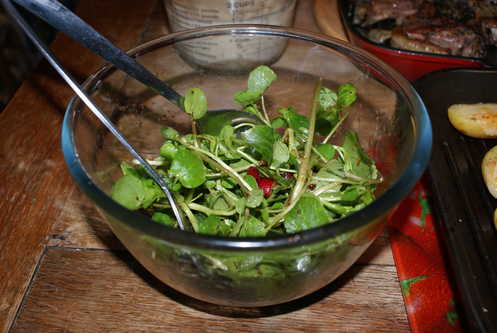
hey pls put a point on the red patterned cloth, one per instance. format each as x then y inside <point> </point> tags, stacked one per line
<point>427,292</point>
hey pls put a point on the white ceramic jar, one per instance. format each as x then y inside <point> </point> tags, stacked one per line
<point>187,14</point>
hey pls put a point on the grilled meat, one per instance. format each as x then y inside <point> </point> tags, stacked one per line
<point>401,41</point>
<point>452,39</point>
<point>368,12</point>
<point>489,30</point>
<point>483,8</point>
<point>452,27</point>
<point>379,35</point>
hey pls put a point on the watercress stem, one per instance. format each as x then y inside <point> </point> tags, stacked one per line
<point>219,174</point>
<point>194,131</point>
<point>275,220</point>
<point>210,211</point>
<point>291,143</point>
<point>236,229</point>
<point>247,156</point>
<point>304,167</point>
<point>337,180</point>
<point>243,125</point>
<point>305,162</point>
<point>264,111</point>
<point>149,161</point>
<point>321,157</point>
<point>189,214</point>
<point>334,129</point>
<point>284,170</point>
<point>221,166</point>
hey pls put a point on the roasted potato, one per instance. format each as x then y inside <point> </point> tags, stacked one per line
<point>475,120</point>
<point>489,170</point>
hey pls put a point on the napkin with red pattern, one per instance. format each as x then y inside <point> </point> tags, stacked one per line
<point>424,281</point>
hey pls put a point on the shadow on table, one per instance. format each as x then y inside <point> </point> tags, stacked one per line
<point>241,312</point>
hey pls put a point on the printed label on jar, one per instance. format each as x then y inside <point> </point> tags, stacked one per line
<point>232,51</point>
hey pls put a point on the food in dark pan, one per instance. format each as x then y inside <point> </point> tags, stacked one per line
<point>488,170</point>
<point>448,27</point>
<point>462,202</point>
<point>477,120</point>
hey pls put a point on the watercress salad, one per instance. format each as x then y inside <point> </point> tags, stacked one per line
<point>273,176</point>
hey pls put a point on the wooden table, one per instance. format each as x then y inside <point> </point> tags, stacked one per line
<point>62,270</point>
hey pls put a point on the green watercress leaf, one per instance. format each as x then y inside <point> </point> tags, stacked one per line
<point>195,103</point>
<point>239,164</point>
<point>128,191</point>
<point>281,153</point>
<point>261,138</point>
<point>346,95</point>
<point>247,97</point>
<point>255,198</point>
<point>152,192</point>
<point>226,136</point>
<point>188,168</point>
<point>326,150</point>
<point>172,184</point>
<point>356,160</point>
<point>261,78</point>
<point>252,228</point>
<point>127,169</point>
<point>214,123</point>
<point>169,133</point>
<point>253,109</point>
<point>164,219</point>
<point>228,183</point>
<point>307,213</point>
<point>168,150</point>
<point>134,192</point>
<point>212,225</point>
<point>217,201</point>
<point>326,120</point>
<point>256,195</point>
<point>295,121</point>
<point>352,194</point>
<point>343,210</point>
<point>368,196</point>
<point>278,122</point>
<point>334,167</point>
<point>327,98</point>
<point>240,205</point>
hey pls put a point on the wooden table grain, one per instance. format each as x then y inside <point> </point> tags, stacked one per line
<point>61,268</point>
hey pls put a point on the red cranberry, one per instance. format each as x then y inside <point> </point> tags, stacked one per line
<point>266,184</point>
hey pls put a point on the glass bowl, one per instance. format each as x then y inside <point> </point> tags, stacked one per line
<point>390,118</point>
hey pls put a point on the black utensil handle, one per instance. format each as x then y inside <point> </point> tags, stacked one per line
<point>64,20</point>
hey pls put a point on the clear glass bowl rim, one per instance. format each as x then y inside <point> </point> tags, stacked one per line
<point>418,161</point>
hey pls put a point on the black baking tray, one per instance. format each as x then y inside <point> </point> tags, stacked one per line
<point>462,206</point>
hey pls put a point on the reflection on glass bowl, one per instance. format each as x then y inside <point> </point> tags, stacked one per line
<point>389,117</point>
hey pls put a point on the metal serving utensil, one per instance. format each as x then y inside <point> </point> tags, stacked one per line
<point>12,11</point>
<point>64,20</point>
